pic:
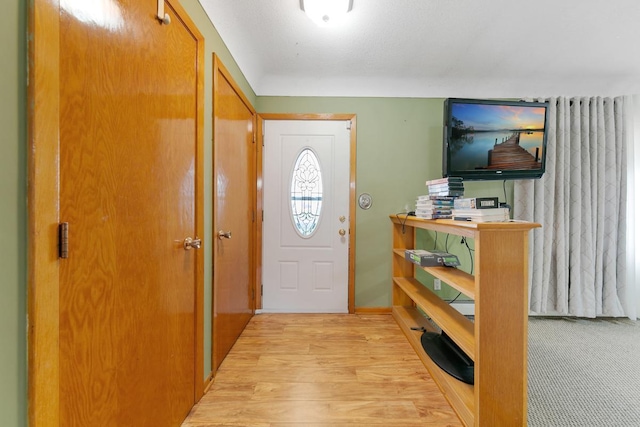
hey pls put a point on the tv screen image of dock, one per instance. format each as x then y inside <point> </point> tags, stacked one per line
<point>487,139</point>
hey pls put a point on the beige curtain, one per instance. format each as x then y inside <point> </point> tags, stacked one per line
<point>632,109</point>
<point>577,259</point>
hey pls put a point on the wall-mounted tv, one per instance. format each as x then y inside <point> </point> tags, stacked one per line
<point>494,140</point>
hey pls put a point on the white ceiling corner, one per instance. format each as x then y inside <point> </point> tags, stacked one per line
<point>436,48</point>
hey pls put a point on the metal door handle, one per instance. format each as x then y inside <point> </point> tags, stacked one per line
<point>224,234</point>
<point>190,243</point>
<point>342,232</point>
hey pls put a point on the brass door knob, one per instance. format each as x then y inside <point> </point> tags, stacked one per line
<point>342,232</point>
<point>190,243</point>
<point>224,234</point>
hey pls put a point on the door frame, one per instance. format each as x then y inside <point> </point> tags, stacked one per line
<point>352,195</point>
<point>43,282</point>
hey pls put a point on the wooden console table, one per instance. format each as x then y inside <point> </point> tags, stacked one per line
<point>496,340</point>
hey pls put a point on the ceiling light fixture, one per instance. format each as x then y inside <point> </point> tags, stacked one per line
<point>326,12</point>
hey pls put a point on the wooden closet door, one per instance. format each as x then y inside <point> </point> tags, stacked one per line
<point>128,156</point>
<point>234,212</point>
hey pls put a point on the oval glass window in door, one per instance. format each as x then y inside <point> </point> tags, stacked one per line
<point>306,193</point>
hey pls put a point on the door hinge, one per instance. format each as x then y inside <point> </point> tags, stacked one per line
<point>253,294</point>
<point>349,125</point>
<point>261,290</point>
<point>263,216</point>
<point>63,240</point>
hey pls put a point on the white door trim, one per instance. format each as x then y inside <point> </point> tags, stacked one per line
<point>306,257</point>
<point>352,195</point>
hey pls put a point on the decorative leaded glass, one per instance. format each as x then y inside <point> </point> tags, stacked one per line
<point>306,193</point>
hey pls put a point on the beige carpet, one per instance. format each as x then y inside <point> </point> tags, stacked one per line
<point>584,373</point>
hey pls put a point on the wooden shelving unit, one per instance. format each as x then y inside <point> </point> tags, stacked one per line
<point>497,338</point>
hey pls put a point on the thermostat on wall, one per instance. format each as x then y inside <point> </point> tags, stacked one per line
<point>365,201</point>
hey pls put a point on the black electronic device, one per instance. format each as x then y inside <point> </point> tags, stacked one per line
<point>494,140</point>
<point>425,258</point>
<point>448,356</point>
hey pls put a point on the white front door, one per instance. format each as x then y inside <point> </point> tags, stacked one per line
<point>306,216</point>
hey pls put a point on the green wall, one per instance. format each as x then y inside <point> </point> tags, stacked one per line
<point>13,202</point>
<point>399,147</point>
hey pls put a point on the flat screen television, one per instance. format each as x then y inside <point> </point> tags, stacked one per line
<point>494,140</point>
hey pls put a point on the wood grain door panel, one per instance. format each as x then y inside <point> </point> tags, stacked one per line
<point>128,149</point>
<point>234,211</point>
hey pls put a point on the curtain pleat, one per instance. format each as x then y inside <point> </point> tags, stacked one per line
<point>632,157</point>
<point>577,258</point>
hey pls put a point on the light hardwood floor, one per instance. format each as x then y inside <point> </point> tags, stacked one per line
<point>315,370</point>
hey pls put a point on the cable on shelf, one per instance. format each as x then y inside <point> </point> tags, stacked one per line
<point>402,222</point>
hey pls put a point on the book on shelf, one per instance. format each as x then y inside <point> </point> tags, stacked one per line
<point>447,193</point>
<point>481,212</point>
<point>432,211</point>
<point>444,180</point>
<point>481,215</point>
<point>444,187</point>
<point>476,203</point>
<point>490,218</point>
<point>429,204</point>
<point>427,201</point>
<point>434,216</point>
<point>431,197</point>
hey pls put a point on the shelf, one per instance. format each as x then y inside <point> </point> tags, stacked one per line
<point>458,327</point>
<point>441,225</point>
<point>459,395</point>
<point>457,279</point>
<point>497,338</point>
<point>461,228</point>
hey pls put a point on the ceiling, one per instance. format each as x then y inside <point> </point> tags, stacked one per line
<point>436,48</point>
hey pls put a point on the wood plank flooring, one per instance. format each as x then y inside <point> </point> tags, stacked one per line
<point>316,370</point>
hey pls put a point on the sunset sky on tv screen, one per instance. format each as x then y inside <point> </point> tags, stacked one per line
<point>494,117</point>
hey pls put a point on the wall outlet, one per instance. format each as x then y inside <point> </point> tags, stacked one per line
<point>437,284</point>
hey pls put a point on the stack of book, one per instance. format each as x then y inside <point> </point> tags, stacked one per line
<point>434,207</point>
<point>446,187</point>
<point>479,209</point>
<point>438,204</point>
